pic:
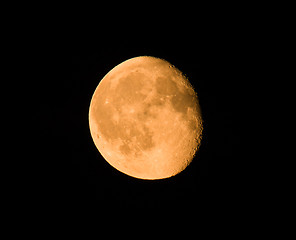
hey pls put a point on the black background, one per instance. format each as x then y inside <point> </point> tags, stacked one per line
<point>78,177</point>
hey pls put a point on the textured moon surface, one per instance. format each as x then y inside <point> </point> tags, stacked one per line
<point>145,118</point>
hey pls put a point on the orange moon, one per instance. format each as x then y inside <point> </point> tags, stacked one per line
<point>145,118</point>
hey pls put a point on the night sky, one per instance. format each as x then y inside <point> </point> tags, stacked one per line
<point>77,175</point>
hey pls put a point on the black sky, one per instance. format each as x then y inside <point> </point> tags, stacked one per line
<point>78,177</point>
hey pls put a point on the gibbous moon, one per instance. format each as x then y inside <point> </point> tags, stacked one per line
<point>145,118</point>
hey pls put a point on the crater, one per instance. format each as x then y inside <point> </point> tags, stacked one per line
<point>192,125</point>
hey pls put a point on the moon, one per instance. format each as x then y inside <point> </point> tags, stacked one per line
<point>145,118</point>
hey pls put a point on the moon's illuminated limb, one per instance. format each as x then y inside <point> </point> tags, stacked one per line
<point>145,118</point>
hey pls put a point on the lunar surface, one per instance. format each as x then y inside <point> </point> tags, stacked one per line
<point>145,118</point>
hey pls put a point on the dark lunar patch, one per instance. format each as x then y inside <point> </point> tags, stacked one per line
<point>125,149</point>
<point>157,101</point>
<point>104,119</point>
<point>146,112</point>
<point>145,139</point>
<point>166,86</point>
<point>181,102</point>
<point>107,128</point>
<point>129,87</point>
